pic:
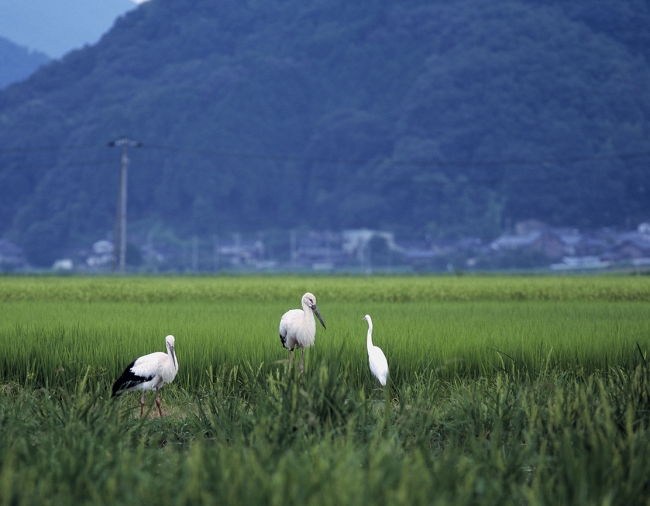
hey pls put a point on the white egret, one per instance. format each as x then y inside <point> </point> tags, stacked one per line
<point>298,327</point>
<point>149,372</point>
<point>376,357</point>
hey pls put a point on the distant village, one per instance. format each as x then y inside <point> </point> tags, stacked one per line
<point>531,245</point>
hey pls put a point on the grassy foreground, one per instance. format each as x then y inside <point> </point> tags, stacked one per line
<point>513,439</point>
<point>495,398</point>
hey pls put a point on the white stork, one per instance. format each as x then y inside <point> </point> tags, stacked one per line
<point>376,357</point>
<point>149,372</point>
<point>298,327</point>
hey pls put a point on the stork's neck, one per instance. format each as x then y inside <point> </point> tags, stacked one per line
<point>308,314</point>
<point>172,354</point>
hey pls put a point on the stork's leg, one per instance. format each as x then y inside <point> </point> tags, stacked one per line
<point>302,360</point>
<point>142,403</point>
<point>290,357</point>
<point>158,403</point>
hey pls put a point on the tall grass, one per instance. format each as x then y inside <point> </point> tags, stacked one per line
<point>514,438</point>
<point>502,391</point>
<point>53,343</point>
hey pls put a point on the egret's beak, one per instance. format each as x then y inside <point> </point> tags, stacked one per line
<point>314,308</point>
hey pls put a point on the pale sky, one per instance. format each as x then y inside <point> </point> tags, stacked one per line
<point>57,27</point>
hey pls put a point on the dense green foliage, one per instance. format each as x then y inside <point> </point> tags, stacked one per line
<point>435,117</point>
<point>516,438</point>
<point>502,391</point>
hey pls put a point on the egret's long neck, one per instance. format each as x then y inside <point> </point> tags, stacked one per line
<point>369,338</point>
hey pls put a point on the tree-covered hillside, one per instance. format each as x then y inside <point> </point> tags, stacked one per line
<point>436,117</point>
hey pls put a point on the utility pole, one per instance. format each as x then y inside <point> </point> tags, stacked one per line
<point>120,218</point>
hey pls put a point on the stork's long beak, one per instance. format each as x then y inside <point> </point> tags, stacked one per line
<point>314,308</point>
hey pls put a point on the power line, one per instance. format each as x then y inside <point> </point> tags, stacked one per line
<point>361,162</point>
<point>414,163</point>
<point>511,179</point>
<point>269,175</point>
<point>88,163</point>
<point>49,148</point>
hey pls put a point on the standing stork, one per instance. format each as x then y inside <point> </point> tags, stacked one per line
<point>149,372</point>
<point>298,327</point>
<point>376,357</point>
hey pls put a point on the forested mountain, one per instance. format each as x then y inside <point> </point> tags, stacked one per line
<point>439,117</point>
<point>17,63</point>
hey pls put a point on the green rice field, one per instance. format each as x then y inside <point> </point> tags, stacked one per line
<point>54,329</point>
<point>503,390</point>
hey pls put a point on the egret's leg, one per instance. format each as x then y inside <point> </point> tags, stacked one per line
<point>142,403</point>
<point>158,403</point>
<point>302,360</point>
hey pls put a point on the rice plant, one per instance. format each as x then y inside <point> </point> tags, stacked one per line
<point>493,397</point>
<point>546,438</point>
<point>335,288</point>
<point>53,343</point>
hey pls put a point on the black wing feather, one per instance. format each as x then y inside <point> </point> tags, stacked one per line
<point>128,380</point>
